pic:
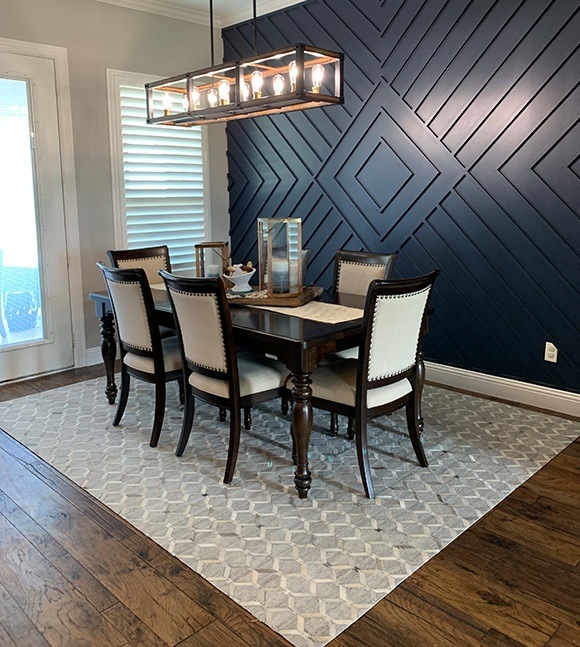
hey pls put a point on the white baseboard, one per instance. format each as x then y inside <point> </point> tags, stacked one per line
<point>93,356</point>
<point>542,397</point>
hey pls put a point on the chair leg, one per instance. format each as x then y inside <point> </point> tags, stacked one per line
<point>187,423</point>
<point>123,397</point>
<point>333,424</point>
<point>222,415</point>
<point>284,404</point>
<point>234,446</point>
<point>248,418</point>
<point>414,424</point>
<point>362,452</point>
<point>181,392</point>
<point>350,429</point>
<point>160,390</point>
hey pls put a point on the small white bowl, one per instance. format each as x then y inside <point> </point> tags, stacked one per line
<point>241,282</point>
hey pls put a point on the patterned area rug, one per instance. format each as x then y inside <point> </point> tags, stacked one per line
<point>307,568</point>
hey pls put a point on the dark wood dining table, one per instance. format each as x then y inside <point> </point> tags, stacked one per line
<point>299,343</point>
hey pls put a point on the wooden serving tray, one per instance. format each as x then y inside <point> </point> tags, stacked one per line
<point>308,294</point>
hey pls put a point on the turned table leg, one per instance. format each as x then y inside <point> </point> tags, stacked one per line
<point>109,354</point>
<point>301,430</point>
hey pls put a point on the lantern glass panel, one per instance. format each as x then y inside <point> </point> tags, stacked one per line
<point>280,256</point>
<point>212,259</point>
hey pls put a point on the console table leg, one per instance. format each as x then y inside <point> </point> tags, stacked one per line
<point>109,354</point>
<point>301,430</point>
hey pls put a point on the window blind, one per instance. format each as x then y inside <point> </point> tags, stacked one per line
<point>163,173</point>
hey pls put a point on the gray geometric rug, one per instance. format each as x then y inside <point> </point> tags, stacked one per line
<point>307,568</point>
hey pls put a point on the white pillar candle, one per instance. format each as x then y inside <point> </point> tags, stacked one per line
<point>279,275</point>
<point>212,271</point>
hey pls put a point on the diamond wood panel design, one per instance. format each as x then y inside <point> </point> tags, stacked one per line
<point>457,146</point>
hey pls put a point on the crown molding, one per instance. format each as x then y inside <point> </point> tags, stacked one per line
<point>178,11</point>
<point>230,18</point>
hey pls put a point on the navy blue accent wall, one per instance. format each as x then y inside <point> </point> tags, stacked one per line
<point>457,146</point>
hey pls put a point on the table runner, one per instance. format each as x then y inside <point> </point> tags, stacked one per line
<point>319,311</point>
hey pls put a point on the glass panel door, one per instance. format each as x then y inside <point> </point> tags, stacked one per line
<point>35,304</point>
<point>20,282</point>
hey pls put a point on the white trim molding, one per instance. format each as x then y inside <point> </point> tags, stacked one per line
<point>542,397</point>
<point>60,57</point>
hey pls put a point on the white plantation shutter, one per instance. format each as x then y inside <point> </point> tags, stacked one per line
<point>163,178</point>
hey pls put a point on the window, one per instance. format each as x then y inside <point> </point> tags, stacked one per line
<point>158,176</point>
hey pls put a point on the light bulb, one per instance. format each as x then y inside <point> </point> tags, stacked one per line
<point>167,101</point>
<point>245,91</point>
<point>212,98</point>
<point>257,83</point>
<point>185,104</point>
<point>293,74</point>
<point>278,83</point>
<point>317,76</point>
<point>224,92</point>
<point>195,95</point>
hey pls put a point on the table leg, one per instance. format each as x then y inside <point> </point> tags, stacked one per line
<point>301,430</point>
<point>109,354</point>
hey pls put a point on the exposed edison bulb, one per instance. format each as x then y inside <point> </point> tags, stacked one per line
<point>245,91</point>
<point>212,98</point>
<point>185,104</point>
<point>167,101</point>
<point>278,84</point>
<point>224,92</point>
<point>293,74</point>
<point>196,96</point>
<point>257,83</point>
<point>317,76</point>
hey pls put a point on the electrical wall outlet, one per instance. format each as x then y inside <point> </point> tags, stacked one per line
<point>551,352</point>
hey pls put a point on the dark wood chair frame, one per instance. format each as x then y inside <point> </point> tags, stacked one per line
<point>160,376</point>
<point>366,258</point>
<point>412,401</point>
<point>234,403</point>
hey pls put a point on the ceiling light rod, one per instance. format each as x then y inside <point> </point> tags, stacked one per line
<point>296,77</point>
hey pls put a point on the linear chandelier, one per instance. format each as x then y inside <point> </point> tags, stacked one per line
<point>297,77</point>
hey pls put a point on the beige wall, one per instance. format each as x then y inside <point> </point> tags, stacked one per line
<point>98,36</point>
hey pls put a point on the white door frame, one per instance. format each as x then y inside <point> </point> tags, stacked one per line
<point>60,57</point>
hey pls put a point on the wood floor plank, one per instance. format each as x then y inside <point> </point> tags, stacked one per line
<point>137,633</point>
<point>16,625</point>
<point>56,609</point>
<point>485,600</point>
<point>553,543</point>
<point>214,635</point>
<point>564,637</point>
<point>166,609</point>
<point>98,595</point>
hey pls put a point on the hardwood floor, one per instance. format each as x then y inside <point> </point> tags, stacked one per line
<point>73,573</point>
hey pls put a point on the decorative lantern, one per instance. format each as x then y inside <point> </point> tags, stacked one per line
<point>280,256</point>
<point>212,259</point>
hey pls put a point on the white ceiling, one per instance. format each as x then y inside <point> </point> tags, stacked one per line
<point>226,12</point>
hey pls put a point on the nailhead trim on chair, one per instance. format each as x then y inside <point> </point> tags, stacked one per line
<point>197,294</point>
<point>143,302</point>
<point>357,264</point>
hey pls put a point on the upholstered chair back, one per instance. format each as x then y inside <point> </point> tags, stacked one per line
<point>150,259</point>
<point>394,333</point>
<point>354,271</point>
<point>202,313</point>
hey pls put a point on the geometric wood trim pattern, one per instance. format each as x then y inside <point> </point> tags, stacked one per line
<point>457,146</point>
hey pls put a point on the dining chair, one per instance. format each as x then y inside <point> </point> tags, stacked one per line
<point>212,369</point>
<point>144,354</point>
<point>388,373</point>
<point>151,259</point>
<point>353,272</point>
